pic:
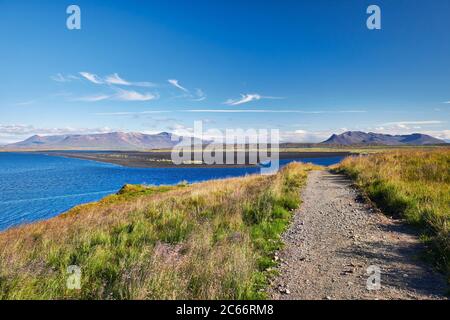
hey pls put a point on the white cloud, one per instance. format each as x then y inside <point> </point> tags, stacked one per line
<point>92,77</point>
<point>120,95</point>
<point>176,84</point>
<point>144,84</point>
<point>63,78</point>
<point>245,98</point>
<point>266,111</point>
<point>59,78</point>
<point>116,79</point>
<point>93,98</point>
<point>249,97</point>
<point>127,113</point>
<point>199,95</point>
<point>126,95</point>
<point>304,136</point>
<point>446,101</point>
<point>17,132</point>
<point>402,130</point>
<point>444,134</point>
<point>405,123</point>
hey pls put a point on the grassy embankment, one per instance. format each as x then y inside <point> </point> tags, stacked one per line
<point>213,240</point>
<point>414,185</point>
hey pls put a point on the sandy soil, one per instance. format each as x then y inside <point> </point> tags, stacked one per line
<point>335,236</point>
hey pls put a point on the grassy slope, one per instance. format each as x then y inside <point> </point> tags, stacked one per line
<point>414,185</point>
<point>212,240</point>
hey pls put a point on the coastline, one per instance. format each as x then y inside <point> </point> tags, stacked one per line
<point>161,159</point>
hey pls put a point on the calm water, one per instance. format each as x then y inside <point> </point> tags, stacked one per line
<point>35,187</point>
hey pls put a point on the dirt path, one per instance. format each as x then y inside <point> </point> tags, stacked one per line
<point>335,237</point>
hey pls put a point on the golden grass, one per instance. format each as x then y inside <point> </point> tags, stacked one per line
<point>412,184</point>
<point>212,240</point>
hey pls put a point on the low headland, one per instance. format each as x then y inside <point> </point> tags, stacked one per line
<point>162,158</point>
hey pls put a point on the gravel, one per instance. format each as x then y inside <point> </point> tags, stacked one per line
<point>335,236</point>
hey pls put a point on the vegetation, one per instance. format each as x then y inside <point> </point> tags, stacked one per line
<point>212,240</point>
<point>414,185</point>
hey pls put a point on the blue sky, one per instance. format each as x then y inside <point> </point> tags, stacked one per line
<point>308,68</point>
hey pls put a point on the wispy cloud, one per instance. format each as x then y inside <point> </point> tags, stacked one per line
<point>115,79</point>
<point>92,77</point>
<point>197,95</point>
<point>127,95</point>
<point>405,129</point>
<point>115,83</point>
<point>25,103</point>
<point>176,84</point>
<point>446,102</point>
<point>249,97</point>
<point>120,95</point>
<point>270,111</point>
<point>228,111</point>
<point>130,113</point>
<point>405,123</point>
<point>244,99</point>
<point>93,98</point>
<point>302,136</point>
<point>63,78</point>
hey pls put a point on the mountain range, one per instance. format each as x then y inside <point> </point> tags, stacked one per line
<point>165,140</point>
<point>102,141</point>
<point>363,138</point>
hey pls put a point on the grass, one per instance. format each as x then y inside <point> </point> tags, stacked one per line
<point>414,185</point>
<point>212,240</point>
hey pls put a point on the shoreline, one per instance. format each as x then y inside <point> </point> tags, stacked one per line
<point>161,159</point>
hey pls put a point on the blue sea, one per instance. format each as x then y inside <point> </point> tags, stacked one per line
<point>36,187</point>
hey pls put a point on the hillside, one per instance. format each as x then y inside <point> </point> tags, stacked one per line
<point>363,138</point>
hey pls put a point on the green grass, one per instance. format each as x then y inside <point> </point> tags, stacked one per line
<point>414,185</point>
<point>213,240</point>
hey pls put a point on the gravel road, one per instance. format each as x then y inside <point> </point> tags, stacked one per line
<point>335,236</point>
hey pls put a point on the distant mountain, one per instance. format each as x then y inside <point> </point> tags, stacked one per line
<point>103,141</point>
<point>363,138</point>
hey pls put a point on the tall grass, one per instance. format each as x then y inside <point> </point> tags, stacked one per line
<point>213,240</point>
<point>414,185</point>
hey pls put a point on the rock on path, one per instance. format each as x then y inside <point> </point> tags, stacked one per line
<point>334,237</point>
